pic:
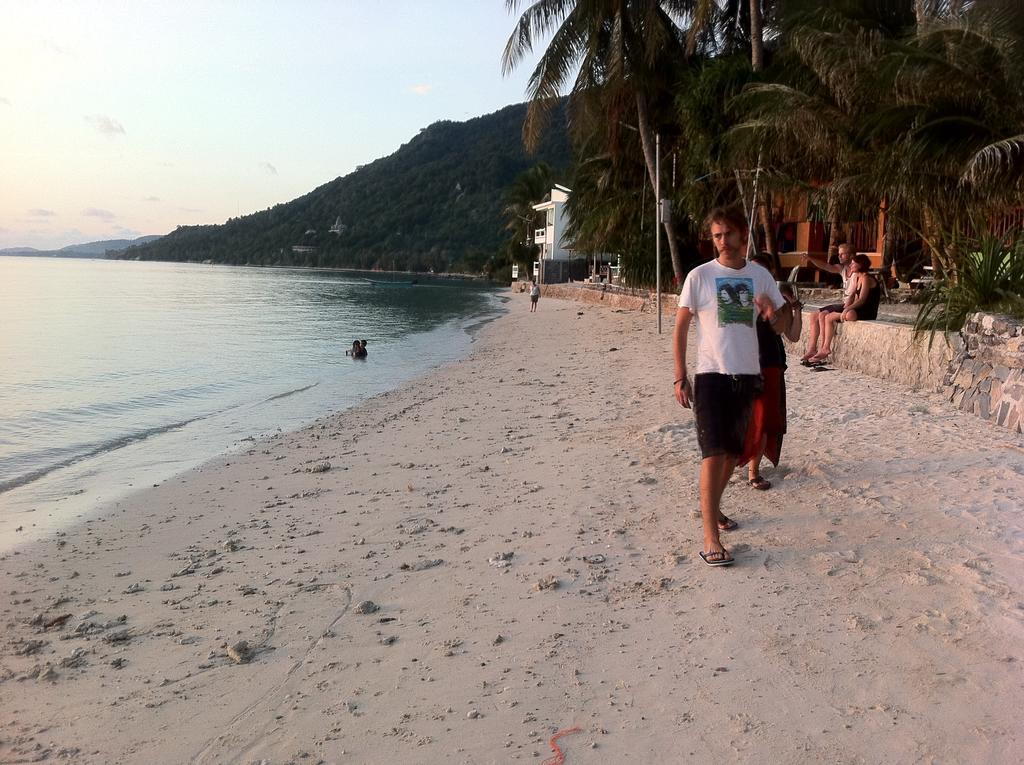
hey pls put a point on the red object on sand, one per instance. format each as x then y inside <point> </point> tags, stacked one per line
<point>558,758</point>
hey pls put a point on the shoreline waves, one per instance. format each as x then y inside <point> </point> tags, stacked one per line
<point>506,548</point>
<point>118,376</point>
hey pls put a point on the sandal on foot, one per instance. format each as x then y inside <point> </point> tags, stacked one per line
<point>760,483</point>
<point>725,523</point>
<point>715,558</point>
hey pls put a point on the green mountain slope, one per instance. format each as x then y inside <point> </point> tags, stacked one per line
<point>433,204</point>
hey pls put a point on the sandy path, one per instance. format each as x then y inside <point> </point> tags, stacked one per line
<point>876,611</point>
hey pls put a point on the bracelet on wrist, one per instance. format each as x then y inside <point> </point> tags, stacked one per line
<point>679,380</point>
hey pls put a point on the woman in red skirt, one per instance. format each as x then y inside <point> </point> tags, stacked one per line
<point>768,418</point>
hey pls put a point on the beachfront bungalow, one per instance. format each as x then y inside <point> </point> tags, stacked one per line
<point>798,233</point>
<point>559,260</point>
<point>551,238</point>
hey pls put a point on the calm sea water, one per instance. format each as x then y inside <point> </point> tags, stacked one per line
<point>115,375</point>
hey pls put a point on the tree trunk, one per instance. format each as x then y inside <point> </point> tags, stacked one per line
<point>921,11</point>
<point>891,265</point>
<point>756,36</point>
<point>891,268</point>
<point>647,143</point>
<point>941,266</point>
<point>771,244</point>
<point>834,236</point>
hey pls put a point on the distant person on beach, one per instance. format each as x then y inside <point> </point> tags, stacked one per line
<point>768,416</point>
<point>817,325</point>
<point>861,305</point>
<point>534,295</point>
<point>728,372</point>
<point>358,350</point>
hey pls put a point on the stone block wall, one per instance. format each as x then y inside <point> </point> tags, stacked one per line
<point>986,376</point>
<point>885,350</point>
<point>627,300</point>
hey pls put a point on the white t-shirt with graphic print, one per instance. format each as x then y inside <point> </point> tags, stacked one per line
<point>722,302</point>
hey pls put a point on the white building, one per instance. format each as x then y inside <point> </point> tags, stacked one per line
<point>551,238</point>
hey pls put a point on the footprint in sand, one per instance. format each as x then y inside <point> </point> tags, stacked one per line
<point>259,730</point>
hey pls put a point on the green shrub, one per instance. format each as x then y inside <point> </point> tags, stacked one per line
<point>988,277</point>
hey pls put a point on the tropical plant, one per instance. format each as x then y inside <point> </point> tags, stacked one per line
<point>529,188</point>
<point>951,126</point>
<point>606,213</point>
<point>805,123</point>
<point>623,53</point>
<point>990,278</point>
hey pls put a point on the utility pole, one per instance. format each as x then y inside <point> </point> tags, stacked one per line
<point>657,226</point>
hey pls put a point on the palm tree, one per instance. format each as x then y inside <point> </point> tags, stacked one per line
<point>920,108</point>
<point>529,188</point>
<point>952,127</point>
<point>622,51</point>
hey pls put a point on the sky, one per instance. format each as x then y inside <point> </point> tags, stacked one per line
<point>123,118</point>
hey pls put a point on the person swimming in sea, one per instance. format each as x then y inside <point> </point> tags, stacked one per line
<point>358,350</point>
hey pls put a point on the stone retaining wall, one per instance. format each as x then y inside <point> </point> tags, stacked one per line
<point>885,350</point>
<point>609,297</point>
<point>986,376</point>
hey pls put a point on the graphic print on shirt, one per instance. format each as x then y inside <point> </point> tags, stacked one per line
<point>735,298</point>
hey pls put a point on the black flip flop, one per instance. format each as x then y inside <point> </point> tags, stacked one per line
<point>720,562</point>
<point>730,524</point>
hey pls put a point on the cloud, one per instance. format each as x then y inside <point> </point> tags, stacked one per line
<point>5,101</point>
<point>269,168</point>
<point>39,212</point>
<point>152,199</point>
<point>190,209</point>
<point>95,212</point>
<point>421,90</point>
<point>105,124</point>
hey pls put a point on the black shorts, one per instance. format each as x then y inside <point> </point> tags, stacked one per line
<point>722,406</point>
<point>834,308</point>
<point>534,298</point>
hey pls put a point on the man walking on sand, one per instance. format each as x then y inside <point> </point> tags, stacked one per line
<point>725,295</point>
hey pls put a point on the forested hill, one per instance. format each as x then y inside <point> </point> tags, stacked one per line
<point>434,204</point>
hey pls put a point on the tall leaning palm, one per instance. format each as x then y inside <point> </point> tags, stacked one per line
<point>619,49</point>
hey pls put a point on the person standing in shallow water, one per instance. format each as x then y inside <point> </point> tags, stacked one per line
<point>534,295</point>
<point>728,370</point>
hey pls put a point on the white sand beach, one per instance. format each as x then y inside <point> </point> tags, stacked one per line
<point>524,523</point>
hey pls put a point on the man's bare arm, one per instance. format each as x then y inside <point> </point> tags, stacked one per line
<point>822,265</point>
<point>681,385</point>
